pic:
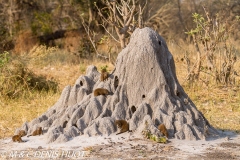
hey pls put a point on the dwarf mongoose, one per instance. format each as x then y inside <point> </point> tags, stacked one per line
<point>163,129</point>
<point>38,131</point>
<point>100,91</point>
<point>17,138</point>
<point>123,125</point>
<point>104,75</point>
<point>22,133</point>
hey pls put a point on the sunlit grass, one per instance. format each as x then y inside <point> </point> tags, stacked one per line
<point>220,106</point>
<point>14,112</point>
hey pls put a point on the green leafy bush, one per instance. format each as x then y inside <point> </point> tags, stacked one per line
<point>104,68</point>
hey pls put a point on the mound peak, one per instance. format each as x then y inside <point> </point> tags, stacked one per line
<point>144,88</point>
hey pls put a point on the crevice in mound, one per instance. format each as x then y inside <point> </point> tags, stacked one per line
<point>65,124</point>
<point>106,113</point>
<point>160,43</point>
<point>116,82</point>
<point>81,83</point>
<point>133,109</point>
<point>150,111</point>
<point>74,125</point>
<point>143,88</point>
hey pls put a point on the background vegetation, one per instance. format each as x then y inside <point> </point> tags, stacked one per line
<point>45,46</point>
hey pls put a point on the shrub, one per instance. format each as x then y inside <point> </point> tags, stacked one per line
<point>216,55</point>
<point>17,80</point>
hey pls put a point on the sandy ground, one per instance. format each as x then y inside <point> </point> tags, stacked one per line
<point>123,146</point>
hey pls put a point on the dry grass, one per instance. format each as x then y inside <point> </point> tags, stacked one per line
<point>53,64</point>
<point>15,112</point>
<point>219,104</point>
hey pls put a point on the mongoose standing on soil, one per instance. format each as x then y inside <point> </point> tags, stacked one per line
<point>22,133</point>
<point>104,75</point>
<point>123,125</point>
<point>38,131</point>
<point>163,130</point>
<point>17,138</point>
<point>100,91</point>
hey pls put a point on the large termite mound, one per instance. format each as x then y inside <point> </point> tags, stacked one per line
<point>143,88</point>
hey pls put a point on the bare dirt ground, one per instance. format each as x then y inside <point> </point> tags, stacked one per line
<point>124,146</point>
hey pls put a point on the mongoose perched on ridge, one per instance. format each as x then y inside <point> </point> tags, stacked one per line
<point>22,133</point>
<point>163,130</point>
<point>100,91</point>
<point>104,75</point>
<point>38,131</point>
<point>17,138</point>
<point>123,125</point>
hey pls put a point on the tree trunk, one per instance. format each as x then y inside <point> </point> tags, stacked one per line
<point>90,12</point>
<point>10,18</point>
<point>180,14</point>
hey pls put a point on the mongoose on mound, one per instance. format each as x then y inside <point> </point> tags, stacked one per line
<point>22,133</point>
<point>17,138</point>
<point>123,125</point>
<point>104,75</point>
<point>163,129</point>
<point>38,131</point>
<point>100,91</point>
